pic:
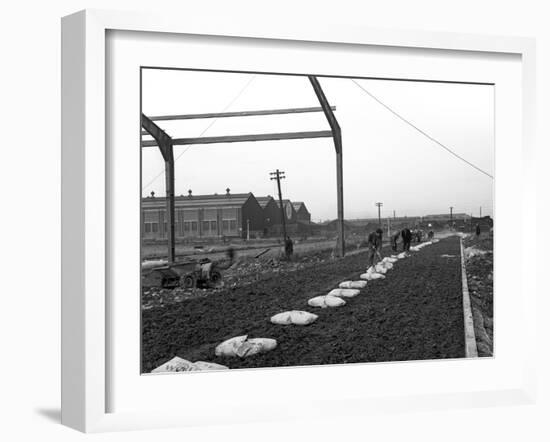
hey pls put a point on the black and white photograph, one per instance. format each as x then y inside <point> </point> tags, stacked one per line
<point>302,220</point>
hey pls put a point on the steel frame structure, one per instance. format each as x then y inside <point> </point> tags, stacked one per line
<point>166,144</point>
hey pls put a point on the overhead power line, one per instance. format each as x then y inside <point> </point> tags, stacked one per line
<point>439,143</point>
<point>161,173</point>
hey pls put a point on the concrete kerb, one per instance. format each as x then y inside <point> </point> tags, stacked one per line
<point>469,333</point>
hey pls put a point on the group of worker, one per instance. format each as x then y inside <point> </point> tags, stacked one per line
<point>374,241</point>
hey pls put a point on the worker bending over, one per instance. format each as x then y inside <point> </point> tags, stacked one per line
<point>374,244</point>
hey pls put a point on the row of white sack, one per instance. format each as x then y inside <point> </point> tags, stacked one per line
<point>239,346</point>
<point>334,297</point>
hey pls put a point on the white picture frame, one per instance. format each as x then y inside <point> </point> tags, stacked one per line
<point>85,312</point>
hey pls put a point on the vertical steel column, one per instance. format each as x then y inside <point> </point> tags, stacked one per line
<point>337,137</point>
<point>170,202</point>
<point>165,145</point>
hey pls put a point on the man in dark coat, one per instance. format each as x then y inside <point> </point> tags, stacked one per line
<point>406,236</point>
<point>374,244</point>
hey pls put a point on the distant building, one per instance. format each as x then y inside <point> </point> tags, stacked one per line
<point>302,214</point>
<point>272,212</point>
<point>289,211</point>
<point>204,216</point>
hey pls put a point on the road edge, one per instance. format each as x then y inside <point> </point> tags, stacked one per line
<point>469,333</point>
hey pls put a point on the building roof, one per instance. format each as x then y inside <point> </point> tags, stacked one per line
<point>264,200</point>
<point>298,205</point>
<point>285,202</point>
<point>232,200</point>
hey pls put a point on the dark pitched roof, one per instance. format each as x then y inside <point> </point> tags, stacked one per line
<point>285,202</point>
<point>264,200</point>
<point>233,200</point>
<point>298,205</point>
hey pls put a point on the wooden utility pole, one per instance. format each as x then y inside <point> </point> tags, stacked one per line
<point>280,175</point>
<point>379,220</point>
<point>451,209</point>
<point>479,212</point>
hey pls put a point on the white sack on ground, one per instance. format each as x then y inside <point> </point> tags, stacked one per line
<point>255,345</point>
<point>344,293</point>
<point>372,276</point>
<point>242,347</point>
<point>402,255</point>
<point>389,259</point>
<point>174,365</point>
<point>296,317</point>
<point>326,301</point>
<point>353,284</point>
<point>229,347</point>
<point>178,364</point>
<point>203,365</point>
<point>387,265</point>
<point>380,269</point>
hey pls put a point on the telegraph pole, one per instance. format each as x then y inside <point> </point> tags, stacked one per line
<point>379,220</point>
<point>480,212</point>
<point>280,175</point>
<point>451,209</point>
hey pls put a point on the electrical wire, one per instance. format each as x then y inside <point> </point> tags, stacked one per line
<point>241,91</point>
<point>439,143</point>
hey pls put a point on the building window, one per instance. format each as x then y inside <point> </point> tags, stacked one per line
<point>194,226</point>
<point>233,224</point>
<point>214,226</point>
<point>206,226</point>
<point>154,227</point>
<point>147,227</point>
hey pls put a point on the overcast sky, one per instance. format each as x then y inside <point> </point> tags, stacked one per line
<point>384,159</point>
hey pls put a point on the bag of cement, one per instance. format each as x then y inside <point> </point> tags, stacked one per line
<point>254,346</point>
<point>384,265</point>
<point>369,276</point>
<point>205,366</point>
<point>229,347</point>
<point>296,317</point>
<point>175,365</point>
<point>353,284</point>
<point>402,255</point>
<point>380,269</point>
<point>344,293</point>
<point>178,364</point>
<point>390,260</point>
<point>326,301</point>
<point>242,347</point>
<point>435,241</point>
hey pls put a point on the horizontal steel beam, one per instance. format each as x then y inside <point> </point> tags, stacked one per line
<point>249,113</point>
<point>244,138</point>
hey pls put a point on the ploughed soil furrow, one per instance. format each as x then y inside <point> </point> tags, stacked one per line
<point>415,313</point>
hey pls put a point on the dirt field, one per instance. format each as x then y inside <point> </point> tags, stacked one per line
<point>415,313</point>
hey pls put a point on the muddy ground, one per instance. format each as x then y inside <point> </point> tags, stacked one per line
<point>413,314</point>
